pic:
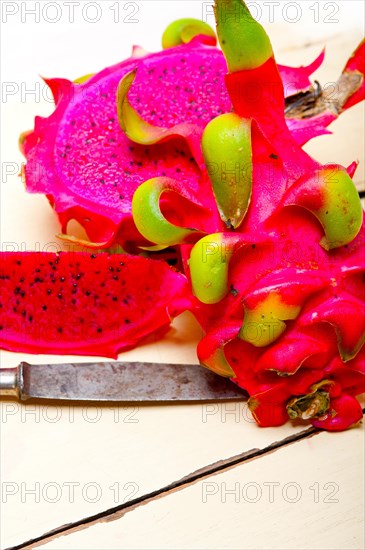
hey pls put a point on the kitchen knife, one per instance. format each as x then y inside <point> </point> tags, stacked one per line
<point>116,381</point>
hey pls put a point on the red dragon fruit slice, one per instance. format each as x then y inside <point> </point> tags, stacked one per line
<point>80,158</point>
<point>81,304</point>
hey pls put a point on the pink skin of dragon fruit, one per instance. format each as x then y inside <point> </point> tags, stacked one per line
<point>85,304</point>
<point>80,158</point>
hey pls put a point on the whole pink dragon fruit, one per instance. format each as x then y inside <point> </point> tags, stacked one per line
<point>288,283</point>
<point>170,151</point>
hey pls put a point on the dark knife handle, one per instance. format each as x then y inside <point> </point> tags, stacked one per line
<point>11,382</point>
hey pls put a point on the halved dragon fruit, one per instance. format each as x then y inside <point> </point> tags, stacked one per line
<point>171,151</point>
<point>89,168</point>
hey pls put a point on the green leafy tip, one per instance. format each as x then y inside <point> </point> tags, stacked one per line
<point>227,152</point>
<point>134,127</point>
<point>182,31</point>
<point>209,262</point>
<point>218,363</point>
<point>83,79</point>
<point>149,219</point>
<point>144,133</point>
<point>331,196</point>
<point>265,323</point>
<point>244,42</point>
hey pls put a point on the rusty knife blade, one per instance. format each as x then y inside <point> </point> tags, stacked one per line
<point>117,381</point>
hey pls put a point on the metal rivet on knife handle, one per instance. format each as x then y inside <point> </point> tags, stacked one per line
<point>11,382</point>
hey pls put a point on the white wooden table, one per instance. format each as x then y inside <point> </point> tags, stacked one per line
<point>166,477</point>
